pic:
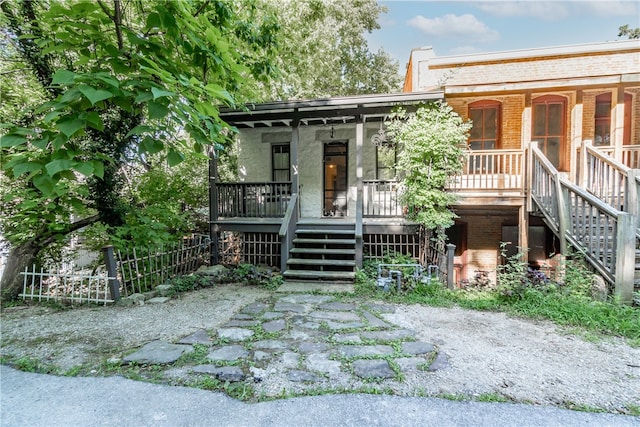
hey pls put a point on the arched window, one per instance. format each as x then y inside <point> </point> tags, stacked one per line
<point>485,133</point>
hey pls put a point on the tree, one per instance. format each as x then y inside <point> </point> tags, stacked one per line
<point>324,52</point>
<point>122,81</point>
<point>432,146</point>
<point>630,33</point>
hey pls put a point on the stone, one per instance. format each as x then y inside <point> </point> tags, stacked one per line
<point>223,373</point>
<point>235,334</point>
<point>440,362</point>
<point>164,290</point>
<point>312,347</point>
<point>214,270</point>
<point>157,300</point>
<point>136,299</point>
<point>409,364</point>
<point>228,353</point>
<point>350,338</point>
<point>274,325</point>
<point>338,316</point>
<point>241,323</point>
<point>397,334</point>
<point>373,369</point>
<point>417,347</point>
<point>296,334</point>
<point>303,376</point>
<point>309,325</point>
<point>365,350</point>
<point>599,289</point>
<point>374,321</point>
<point>157,353</point>
<point>381,308</point>
<point>270,344</point>
<point>321,362</point>
<point>337,326</point>
<point>259,356</point>
<point>270,315</point>
<point>198,337</point>
<point>290,307</point>
<point>306,299</point>
<point>290,360</point>
<point>242,316</point>
<point>338,306</point>
<point>255,308</point>
<point>150,294</point>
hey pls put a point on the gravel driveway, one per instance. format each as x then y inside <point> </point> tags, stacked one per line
<point>488,353</point>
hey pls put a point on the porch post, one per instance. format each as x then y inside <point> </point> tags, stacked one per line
<point>293,153</point>
<point>576,135</point>
<point>617,122</point>
<point>213,207</point>
<point>523,229</point>
<point>359,189</point>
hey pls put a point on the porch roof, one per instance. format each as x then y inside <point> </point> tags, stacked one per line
<point>325,110</point>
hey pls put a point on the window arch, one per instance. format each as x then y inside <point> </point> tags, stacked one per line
<point>486,118</point>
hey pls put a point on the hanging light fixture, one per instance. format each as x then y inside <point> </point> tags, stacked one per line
<point>332,133</point>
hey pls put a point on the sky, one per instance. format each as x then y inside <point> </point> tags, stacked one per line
<point>464,27</point>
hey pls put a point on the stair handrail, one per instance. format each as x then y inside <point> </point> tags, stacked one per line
<point>287,230</point>
<point>609,180</point>
<point>611,253</point>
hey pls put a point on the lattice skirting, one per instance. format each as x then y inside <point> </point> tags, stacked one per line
<point>376,246</point>
<point>249,248</point>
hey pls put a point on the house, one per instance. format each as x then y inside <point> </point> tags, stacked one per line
<point>553,160</point>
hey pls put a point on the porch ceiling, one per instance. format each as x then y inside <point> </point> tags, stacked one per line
<point>325,110</point>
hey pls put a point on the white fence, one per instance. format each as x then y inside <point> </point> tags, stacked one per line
<point>66,287</point>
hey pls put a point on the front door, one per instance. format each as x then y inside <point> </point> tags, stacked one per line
<point>335,179</point>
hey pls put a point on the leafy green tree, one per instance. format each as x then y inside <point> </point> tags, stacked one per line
<point>630,33</point>
<point>432,149</point>
<point>324,52</point>
<point>122,80</point>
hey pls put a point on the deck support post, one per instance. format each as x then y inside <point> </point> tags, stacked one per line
<point>451,251</point>
<point>625,258</point>
<point>214,258</point>
<point>359,191</point>
<point>112,271</point>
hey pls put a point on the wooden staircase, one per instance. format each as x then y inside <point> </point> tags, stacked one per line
<point>322,251</point>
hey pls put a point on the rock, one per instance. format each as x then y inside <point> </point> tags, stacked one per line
<point>274,325</point>
<point>240,323</point>
<point>289,307</point>
<point>290,360</point>
<point>350,338</point>
<point>198,337</point>
<point>228,353</point>
<point>321,362</point>
<point>255,308</point>
<point>270,344</point>
<point>338,316</point>
<point>164,290</point>
<point>223,373</point>
<point>599,289</point>
<point>150,294</point>
<point>417,347</point>
<point>373,369</point>
<point>235,334</point>
<point>158,300</point>
<point>312,347</point>
<point>306,299</point>
<point>375,321</point>
<point>302,376</point>
<point>365,350</point>
<point>398,334</point>
<point>214,270</point>
<point>441,362</point>
<point>133,299</point>
<point>338,306</point>
<point>157,353</point>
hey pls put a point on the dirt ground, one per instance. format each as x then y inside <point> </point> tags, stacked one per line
<point>489,353</point>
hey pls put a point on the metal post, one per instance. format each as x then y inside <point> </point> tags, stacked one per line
<point>112,271</point>
<point>451,250</point>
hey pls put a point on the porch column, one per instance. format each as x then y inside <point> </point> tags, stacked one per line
<point>523,231</point>
<point>359,189</point>
<point>213,207</point>
<point>617,122</point>
<point>526,120</point>
<point>576,136</point>
<point>293,153</point>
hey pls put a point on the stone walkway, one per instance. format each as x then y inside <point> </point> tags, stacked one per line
<point>293,343</point>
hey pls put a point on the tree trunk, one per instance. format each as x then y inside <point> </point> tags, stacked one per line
<point>21,256</point>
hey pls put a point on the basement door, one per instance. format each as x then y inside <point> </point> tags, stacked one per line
<point>335,179</point>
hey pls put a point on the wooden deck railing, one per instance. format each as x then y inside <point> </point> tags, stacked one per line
<point>630,154</point>
<point>381,198</point>
<point>605,235</point>
<point>491,170</point>
<point>253,199</point>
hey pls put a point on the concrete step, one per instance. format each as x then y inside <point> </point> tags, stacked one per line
<point>321,262</point>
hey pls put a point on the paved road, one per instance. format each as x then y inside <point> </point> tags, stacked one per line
<point>28,399</point>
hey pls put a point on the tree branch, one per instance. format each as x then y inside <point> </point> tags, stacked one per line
<point>116,18</point>
<point>47,240</point>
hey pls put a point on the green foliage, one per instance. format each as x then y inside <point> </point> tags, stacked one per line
<point>516,278</point>
<point>630,33</point>
<point>431,150</point>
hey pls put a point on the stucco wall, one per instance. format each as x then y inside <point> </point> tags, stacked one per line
<point>254,160</point>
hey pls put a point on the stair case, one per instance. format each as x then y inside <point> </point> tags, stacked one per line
<point>322,251</point>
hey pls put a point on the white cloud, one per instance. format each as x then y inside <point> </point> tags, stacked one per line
<point>609,8</point>
<point>548,10</point>
<point>454,26</point>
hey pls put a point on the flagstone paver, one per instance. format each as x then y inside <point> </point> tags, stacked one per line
<point>313,340</point>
